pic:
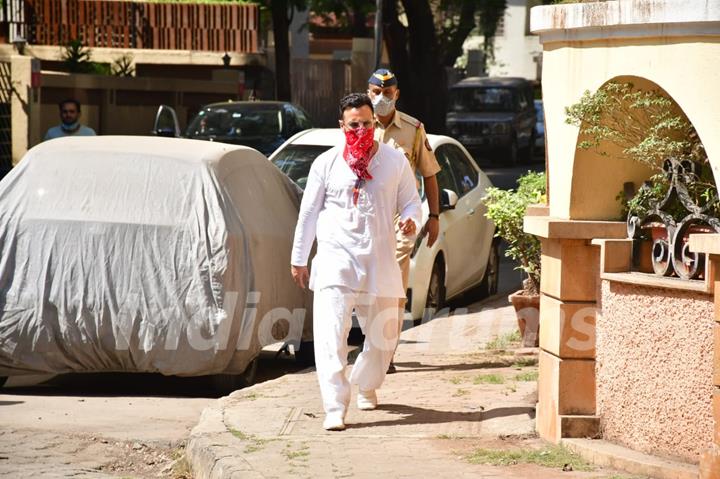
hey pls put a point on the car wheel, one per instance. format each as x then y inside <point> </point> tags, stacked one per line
<point>227,383</point>
<point>489,284</point>
<point>305,354</point>
<point>436,289</point>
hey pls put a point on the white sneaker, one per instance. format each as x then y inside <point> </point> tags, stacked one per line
<point>367,400</point>
<point>334,421</point>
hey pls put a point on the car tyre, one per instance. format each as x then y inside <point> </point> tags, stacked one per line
<point>489,284</point>
<point>227,383</point>
<point>436,289</point>
<point>305,354</point>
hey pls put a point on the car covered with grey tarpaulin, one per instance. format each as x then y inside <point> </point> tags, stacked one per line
<point>144,254</point>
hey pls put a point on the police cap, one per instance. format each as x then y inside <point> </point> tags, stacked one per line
<point>382,78</point>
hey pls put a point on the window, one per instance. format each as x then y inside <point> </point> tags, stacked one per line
<point>465,173</point>
<point>233,121</point>
<point>445,178</point>
<point>291,120</point>
<point>302,119</point>
<point>482,99</point>
<point>296,160</point>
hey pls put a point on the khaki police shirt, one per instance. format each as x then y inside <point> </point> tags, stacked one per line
<point>402,134</point>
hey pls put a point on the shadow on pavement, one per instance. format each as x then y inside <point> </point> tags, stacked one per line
<point>419,415</point>
<point>419,367</point>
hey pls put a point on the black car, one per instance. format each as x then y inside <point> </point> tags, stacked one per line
<point>262,125</point>
<point>493,115</point>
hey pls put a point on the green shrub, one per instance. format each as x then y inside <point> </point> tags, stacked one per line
<point>77,59</point>
<point>506,209</point>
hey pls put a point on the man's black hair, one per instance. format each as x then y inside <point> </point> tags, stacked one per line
<point>70,100</point>
<point>355,100</point>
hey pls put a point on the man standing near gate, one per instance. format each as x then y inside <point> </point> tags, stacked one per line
<point>406,134</point>
<point>69,122</point>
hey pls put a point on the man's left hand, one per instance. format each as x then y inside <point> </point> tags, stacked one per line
<point>432,227</point>
<point>407,227</point>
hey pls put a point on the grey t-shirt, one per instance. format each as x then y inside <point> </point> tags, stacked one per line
<point>58,132</point>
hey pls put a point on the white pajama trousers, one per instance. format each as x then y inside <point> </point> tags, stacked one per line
<point>332,320</point>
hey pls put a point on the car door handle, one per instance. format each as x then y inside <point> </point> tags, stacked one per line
<point>471,212</point>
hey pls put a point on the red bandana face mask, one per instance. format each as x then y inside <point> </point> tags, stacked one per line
<point>358,144</point>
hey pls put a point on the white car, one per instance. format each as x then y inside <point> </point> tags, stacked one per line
<point>465,255</point>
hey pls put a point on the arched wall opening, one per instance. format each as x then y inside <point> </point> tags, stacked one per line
<point>597,179</point>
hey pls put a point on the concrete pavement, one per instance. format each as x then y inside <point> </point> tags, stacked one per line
<point>449,397</point>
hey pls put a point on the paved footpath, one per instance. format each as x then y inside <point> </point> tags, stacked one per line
<point>449,397</point>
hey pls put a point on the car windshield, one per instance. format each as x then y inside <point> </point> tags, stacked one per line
<point>482,99</point>
<point>295,161</point>
<point>237,121</point>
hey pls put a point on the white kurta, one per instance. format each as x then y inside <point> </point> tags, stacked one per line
<point>356,243</point>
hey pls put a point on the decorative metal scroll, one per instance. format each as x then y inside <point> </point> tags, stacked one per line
<point>670,252</point>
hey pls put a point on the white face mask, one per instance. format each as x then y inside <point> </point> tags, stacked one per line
<point>383,105</point>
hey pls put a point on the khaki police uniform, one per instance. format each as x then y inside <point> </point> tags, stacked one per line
<point>407,134</point>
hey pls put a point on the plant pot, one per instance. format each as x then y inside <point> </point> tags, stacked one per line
<point>527,310</point>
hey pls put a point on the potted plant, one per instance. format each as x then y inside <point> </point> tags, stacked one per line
<point>506,209</point>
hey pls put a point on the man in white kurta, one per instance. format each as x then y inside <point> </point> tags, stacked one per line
<point>355,266</point>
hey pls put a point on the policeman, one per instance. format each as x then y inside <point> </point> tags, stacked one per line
<point>406,134</point>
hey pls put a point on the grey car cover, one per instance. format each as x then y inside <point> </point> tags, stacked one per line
<point>145,254</point>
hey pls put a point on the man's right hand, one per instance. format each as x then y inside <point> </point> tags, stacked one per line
<point>300,275</point>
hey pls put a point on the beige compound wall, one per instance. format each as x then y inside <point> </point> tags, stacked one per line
<point>687,68</point>
<point>654,358</point>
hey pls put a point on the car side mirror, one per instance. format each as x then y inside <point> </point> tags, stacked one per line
<point>448,200</point>
<point>166,122</point>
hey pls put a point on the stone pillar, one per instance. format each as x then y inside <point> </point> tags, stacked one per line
<point>710,459</point>
<point>20,105</point>
<point>710,244</point>
<point>568,306</point>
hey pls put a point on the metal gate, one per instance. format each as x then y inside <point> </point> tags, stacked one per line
<point>5,119</point>
<point>318,86</point>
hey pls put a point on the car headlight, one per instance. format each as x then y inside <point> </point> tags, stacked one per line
<point>501,128</point>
